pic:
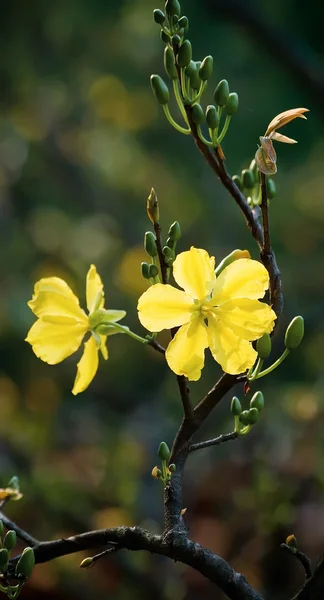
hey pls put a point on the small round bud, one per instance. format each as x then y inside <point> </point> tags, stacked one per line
<point>150,244</point>
<point>174,21</point>
<point>4,558</point>
<point>185,54</point>
<point>164,37</point>
<point>257,401</point>
<point>206,68</point>
<point>152,207</point>
<point>26,563</point>
<point>291,541</point>
<point>271,188</point>
<point>184,23</point>
<point>235,255</point>
<point>160,89</point>
<point>163,451</point>
<point>212,117</point>
<point>294,333</point>
<point>168,254</point>
<point>172,468</point>
<point>253,414</point>
<point>10,539</point>
<point>238,182</point>
<point>263,346</point>
<point>221,93</point>
<point>248,179</point>
<point>154,271</point>
<point>159,16</point>
<point>145,270</point>
<point>198,115</point>
<point>176,40</point>
<point>236,407</point>
<point>232,104</point>
<point>244,417</point>
<point>174,231</point>
<point>194,76</point>
<point>191,68</point>
<point>156,473</point>
<point>87,563</point>
<point>172,7</point>
<point>169,65</point>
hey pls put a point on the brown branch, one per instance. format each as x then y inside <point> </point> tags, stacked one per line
<point>21,534</point>
<point>221,439</point>
<point>313,588</point>
<point>156,346</point>
<point>301,557</point>
<point>163,265</point>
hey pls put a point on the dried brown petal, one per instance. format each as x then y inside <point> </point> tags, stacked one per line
<point>267,147</point>
<point>265,165</point>
<point>278,137</point>
<point>284,118</point>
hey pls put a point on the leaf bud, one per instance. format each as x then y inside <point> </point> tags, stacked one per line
<point>294,333</point>
<point>221,93</point>
<point>206,68</point>
<point>152,207</point>
<point>271,188</point>
<point>253,415</point>
<point>184,23</point>
<point>159,16</point>
<point>235,255</point>
<point>154,271</point>
<point>4,558</point>
<point>172,468</point>
<point>198,115</point>
<point>145,270</point>
<point>150,244</point>
<point>212,117</point>
<point>231,106</point>
<point>257,401</point>
<point>163,451</point>
<point>244,417</point>
<point>236,407</point>
<point>156,473</point>
<point>169,65</point>
<point>160,89</point>
<point>185,54</point>
<point>168,254</point>
<point>87,563</point>
<point>291,541</point>
<point>172,7</point>
<point>176,40</point>
<point>174,231</point>
<point>26,563</point>
<point>10,539</point>
<point>248,179</point>
<point>164,37</point>
<point>191,68</point>
<point>263,346</point>
<point>238,182</point>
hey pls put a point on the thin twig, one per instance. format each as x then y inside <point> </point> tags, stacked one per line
<point>225,437</point>
<point>163,265</point>
<point>21,534</point>
<point>265,215</point>
<point>156,346</point>
<point>301,557</point>
<point>111,550</point>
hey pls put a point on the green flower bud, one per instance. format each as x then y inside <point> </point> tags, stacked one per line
<point>194,75</point>
<point>221,93</point>
<point>176,40</point>
<point>191,68</point>
<point>164,37</point>
<point>238,182</point>
<point>271,188</point>
<point>10,539</point>
<point>154,271</point>
<point>244,417</point>
<point>163,451</point>
<point>232,104</point>
<point>160,89</point>
<point>175,231</point>
<point>253,415</point>
<point>169,65</point>
<point>172,468</point>
<point>185,54</point>
<point>257,401</point>
<point>174,21</point>
<point>1,528</point>
<point>150,244</point>
<point>184,24</point>
<point>236,407</point>
<point>152,207</point>
<point>145,270</point>
<point>212,117</point>
<point>206,68</point>
<point>172,7</point>
<point>4,559</point>
<point>248,179</point>
<point>263,346</point>
<point>294,333</point>
<point>235,255</point>
<point>198,115</point>
<point>26,563</point>
<point>168,254</point>
<point>159,16</point>
<point>169,242</point>
<point>87,563</point>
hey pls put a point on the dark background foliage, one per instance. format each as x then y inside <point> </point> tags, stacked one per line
<point>81,143</point>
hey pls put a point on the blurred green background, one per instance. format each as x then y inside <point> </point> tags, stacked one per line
<point>82,141</point>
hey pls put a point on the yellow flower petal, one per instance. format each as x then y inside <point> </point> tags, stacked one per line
<point>185,354</point>
<point>234,354</point>
<point>103,347</point>
<point>94,288</point>
<point>54,338</point>
<point>243,278</point>
<point>52,296</point>
<point>87,366</point>
<point>249,319</point>
<point>194,271</point>
<point>163,307</point>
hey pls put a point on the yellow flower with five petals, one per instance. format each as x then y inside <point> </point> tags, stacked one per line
<point>62,324</point>
<point>223,313</point>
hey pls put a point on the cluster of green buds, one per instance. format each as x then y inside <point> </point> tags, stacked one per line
<point>169,250</point>
<point>245,419</point>
<point>248,183</point>
<point>24,566</point>
<point>165,473</point>
<point>189,80</point>
<point>293,337</point>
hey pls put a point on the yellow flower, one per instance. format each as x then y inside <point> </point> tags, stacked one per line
<point>62,324</point>
<point>221,313</point>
